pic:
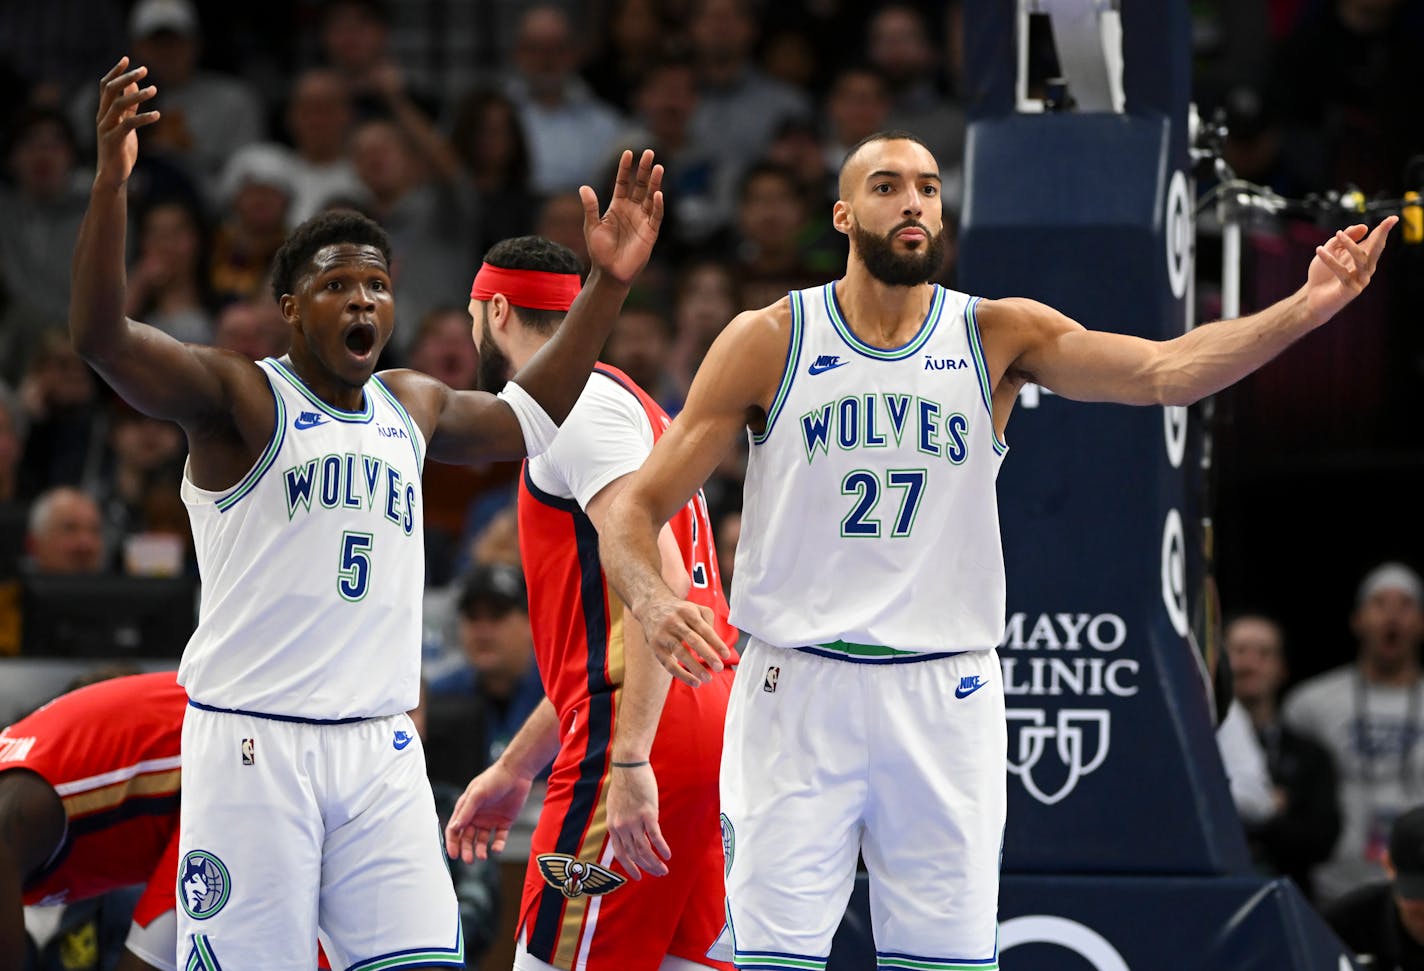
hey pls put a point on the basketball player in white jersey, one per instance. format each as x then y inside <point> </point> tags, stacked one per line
<point>306,807</point>
<point>870,573</point>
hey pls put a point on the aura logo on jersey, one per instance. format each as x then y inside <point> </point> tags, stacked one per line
<point>203,884</point>
<point>1067,934</point>
<point>1062,655</point>
<point>574,877</point>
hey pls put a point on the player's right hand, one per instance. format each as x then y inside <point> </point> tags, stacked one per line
<point>683,640</point>
<point>484,812</point>
<point>633,822</point>
<point>119,119</point>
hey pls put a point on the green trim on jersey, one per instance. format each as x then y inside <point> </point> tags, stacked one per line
<point>833,310</point>
<point>254,474</point>
<point>866,650</point>
<point>410,429</point>
<point>793,361</point>
<point>777,961</point>
<point>365,415</point>
<point>907,964</point>
<point>981,366</point>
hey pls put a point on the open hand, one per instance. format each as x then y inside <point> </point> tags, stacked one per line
<point>633,827</point>
<point>1343,266</point>
<point>484,812</point>
<point>119,119</point>
<point>683,640</point>
<point>621,240</point>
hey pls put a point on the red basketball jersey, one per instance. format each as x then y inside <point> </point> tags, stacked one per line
<point>577,622</point>
<point>111,752</point>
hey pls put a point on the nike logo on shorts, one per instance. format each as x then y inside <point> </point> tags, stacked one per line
<point>967,686</point>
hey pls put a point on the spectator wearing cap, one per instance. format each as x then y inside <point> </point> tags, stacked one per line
<point>1384,921</point>
<point>1369,715</point>
<point>41,207</point>
<point>492,618</point>
<point>206,116</point>
<point>256,193</point>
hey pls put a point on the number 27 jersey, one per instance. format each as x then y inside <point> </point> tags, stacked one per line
<point>870,526</point>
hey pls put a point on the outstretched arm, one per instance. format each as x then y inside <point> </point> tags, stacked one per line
<point>473,426</point>
<point>155,373</point>
<point>737,381</point>
<point>1042,345</point>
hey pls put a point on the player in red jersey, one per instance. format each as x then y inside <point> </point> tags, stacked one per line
<point>89,803</point>
<point>636,754</point>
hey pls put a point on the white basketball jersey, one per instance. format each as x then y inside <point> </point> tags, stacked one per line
<point>313,566</point>
<point>870,525</point>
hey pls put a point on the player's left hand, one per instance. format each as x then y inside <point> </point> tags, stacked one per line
<point>633,822</point>
<point>1343,266</point>
<point>621,240</point>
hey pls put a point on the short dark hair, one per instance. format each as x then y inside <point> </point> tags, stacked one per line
<point>293,260</point>
<point>541,255</point>
<point>891,135</point>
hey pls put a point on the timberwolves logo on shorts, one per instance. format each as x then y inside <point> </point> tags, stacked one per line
<point>203,884</point>
<point>729,845</point>
<point>573,877</point>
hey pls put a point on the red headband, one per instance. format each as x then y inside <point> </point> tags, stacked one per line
<point>535,289</point>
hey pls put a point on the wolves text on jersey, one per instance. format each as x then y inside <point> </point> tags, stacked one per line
<point>872,420</point>
<point>351,481</point>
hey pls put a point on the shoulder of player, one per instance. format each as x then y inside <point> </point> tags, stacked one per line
<point>752,333</point>
<point>1018,316</point>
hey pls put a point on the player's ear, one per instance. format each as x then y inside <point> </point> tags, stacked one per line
<point>840,217</point>
<point>288,303</point>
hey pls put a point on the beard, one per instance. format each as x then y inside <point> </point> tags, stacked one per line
<point>899,269</point>
<point>495,369</point>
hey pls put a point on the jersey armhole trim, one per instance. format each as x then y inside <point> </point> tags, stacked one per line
<point>255,474</point>
<point>793,361</point>
<point>410,428</point>
<point>981,367</point>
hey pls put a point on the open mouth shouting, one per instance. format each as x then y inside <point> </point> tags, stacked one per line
<point>360,340</point>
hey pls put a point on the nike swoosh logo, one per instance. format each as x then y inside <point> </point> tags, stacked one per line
<point>304,423</point>
<point>823,368</point>
<point>401,740</point>
<point>966,692</point>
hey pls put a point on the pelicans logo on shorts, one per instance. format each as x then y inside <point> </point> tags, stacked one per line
<point>574,877</point>
<point>203,884</point>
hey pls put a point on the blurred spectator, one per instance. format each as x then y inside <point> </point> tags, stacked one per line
<point>256,193</point>
<point>1384,921</point>
<point>694,182</point>
<point>445,349</point>
<point>797,146</point>
<point>773,225</point>
<point>856,106</point>
<point>66,422</point>
<point>318,120</point>
<point>1303,823</point>
<point>254,329</point>
<point>560,218</point>
<point>428,220</point>
<point>206,116</point>
<point>168,285</point>
<point>489,140</point>
<point>1370,716</point>
<point>641,346</point>
<point>739,107</point>
<point>66,533</point>
<point>899,46</point>
<point>41,207</point>
<point>636,36</point>
<point>1345,84</point>
<point>497,539</point>
<point>355,42</point>
<point>146,460</point>
<point>789,56</point>
<point>707,297</point>
<point>569,128</point>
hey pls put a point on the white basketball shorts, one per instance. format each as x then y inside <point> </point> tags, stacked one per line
<point>292,828</point>
<point>902,763</point>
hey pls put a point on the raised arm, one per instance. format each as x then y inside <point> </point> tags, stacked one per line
<point>733,388</point>
<point>1033,342</point>
<point>474,426</point>
<point>155,373</point>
